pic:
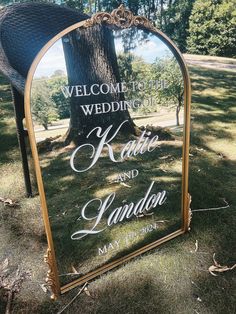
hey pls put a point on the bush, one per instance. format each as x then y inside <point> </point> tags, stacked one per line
<point>212,28</point>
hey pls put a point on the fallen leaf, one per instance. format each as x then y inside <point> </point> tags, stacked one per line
<point>11,282</point>
<point>86,290</point>
<point>217,268</point>
<point>164,157</point>
<point>44,288</point>
<point>124,184</point>
<point>74,270</point>
<point>4,267</point>
<point>200,149</point>
<point>196,246</point>
<point>164,170</point>
<point>9,202</point>
<point>222,156</point>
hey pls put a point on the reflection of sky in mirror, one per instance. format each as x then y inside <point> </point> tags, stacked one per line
<point>148,49</point>
<point>53,60</point>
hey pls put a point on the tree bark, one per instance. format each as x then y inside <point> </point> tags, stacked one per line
<point>161,14</point>
<point>177,113</point>
<point>91,59</point>
<point>45,126</point>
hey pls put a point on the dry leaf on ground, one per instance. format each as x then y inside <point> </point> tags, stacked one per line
<point>11,282</point>
<point>9,202</point>
<point>217,268</point>
<point>74,270</point>
<point>164,157</point>
<point>196,247</point>
<point>86,291</point>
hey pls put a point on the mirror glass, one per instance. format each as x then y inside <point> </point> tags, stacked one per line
<point>107,111</point>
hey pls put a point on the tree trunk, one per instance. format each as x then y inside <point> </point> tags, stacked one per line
<point>177,113</point>
<point>91,59</point>
<point>161,15</point>
<point>45,126</point>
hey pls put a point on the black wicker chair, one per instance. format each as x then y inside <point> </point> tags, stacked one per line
<point>24,30</point>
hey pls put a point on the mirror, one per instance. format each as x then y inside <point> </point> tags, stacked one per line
<point>108,110</point>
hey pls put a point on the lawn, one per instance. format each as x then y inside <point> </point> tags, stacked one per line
<point>173,278</point>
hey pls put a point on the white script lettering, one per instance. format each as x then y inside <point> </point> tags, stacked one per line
<point>131,148</point>
<point>117,215</point>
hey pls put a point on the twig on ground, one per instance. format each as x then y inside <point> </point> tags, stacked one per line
<point>11,282</point>
<point>212,208</point>
<point>80,291</point>
<point>74,272</point>
<point>69,274</point>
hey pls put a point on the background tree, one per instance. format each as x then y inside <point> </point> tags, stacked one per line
<point>170,16</point>
<point>43,108</point>
<point>176,21</point>
<point>213,28</point>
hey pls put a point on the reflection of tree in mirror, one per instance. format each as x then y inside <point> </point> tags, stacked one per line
<point>168,69</point>
<point>44,110</point>
<point>62,104</point>
<point>91,58</point>
<point>96,57</point>
<point>134,68</point>
<point>131,38</point>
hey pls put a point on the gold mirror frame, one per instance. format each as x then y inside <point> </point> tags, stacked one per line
<point>120,18</point>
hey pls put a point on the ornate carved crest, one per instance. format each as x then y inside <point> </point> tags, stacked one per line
<point>121,17</point>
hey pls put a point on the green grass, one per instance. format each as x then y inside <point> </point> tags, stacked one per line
<point>213,59</point>
<point>171,279</point>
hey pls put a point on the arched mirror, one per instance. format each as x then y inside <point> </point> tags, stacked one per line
<point>107,106</point>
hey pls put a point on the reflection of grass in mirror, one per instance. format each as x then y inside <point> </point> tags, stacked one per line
<point>68,191</point>
<point>124,239</point>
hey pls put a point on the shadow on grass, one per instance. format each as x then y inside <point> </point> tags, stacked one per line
<point>132,292</point>
<point>67,192</point>
<point>212,178</point>
<point>8,137</point>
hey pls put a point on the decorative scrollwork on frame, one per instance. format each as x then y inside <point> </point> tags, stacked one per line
<point>50,279</point>
<point>121,17</point>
